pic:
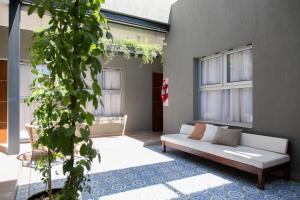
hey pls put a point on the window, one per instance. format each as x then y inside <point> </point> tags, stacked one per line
<point>225,87</point>
<point>111,83</point>
<point>26,112</point>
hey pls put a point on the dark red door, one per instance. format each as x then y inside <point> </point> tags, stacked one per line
<point>157,106</point>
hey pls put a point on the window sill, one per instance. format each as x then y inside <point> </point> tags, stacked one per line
<point>112,119</point>
<point>109,118</point>
<point>235,124</point>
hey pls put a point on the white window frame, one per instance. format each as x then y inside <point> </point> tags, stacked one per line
<point>121,91</point>
<point>223,85</point>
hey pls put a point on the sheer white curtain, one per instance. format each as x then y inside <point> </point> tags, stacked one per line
<point>211,105</point>
<point>111,105</point>
<point>240,105</point>
<point>111,98</point>
<point>210,71</point>
<point>26,78</point>
<point>26,112</point>
<point>232,105</point>
<point>226,102</point>
<point>240,66</point>
<point>246,105</point>
<point>111,80</point>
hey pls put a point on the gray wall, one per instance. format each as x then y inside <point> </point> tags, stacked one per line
<point>202,27</point>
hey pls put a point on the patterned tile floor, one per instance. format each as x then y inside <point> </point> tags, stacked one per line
<point>182,177</point>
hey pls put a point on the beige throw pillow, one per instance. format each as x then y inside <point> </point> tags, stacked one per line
<point>227,137</point>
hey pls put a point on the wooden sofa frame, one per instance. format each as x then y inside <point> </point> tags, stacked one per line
<point>261,173</point>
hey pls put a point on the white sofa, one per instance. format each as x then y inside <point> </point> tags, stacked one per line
<point>256,154</point>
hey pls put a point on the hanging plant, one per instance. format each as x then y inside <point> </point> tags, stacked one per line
<point>131,48</point>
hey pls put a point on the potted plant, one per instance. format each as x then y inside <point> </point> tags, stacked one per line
<point>69,48</point>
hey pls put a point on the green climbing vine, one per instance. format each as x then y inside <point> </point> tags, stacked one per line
<point>131,48</point>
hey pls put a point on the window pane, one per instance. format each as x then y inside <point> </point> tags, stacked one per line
<point>111,80</point>
<point>26,78</point>
<point>240,108</point>
<point>230,105</point>
<point>239,66</point>
<point>211,105</point>
<point>210,71</point>
<point>111,105</point>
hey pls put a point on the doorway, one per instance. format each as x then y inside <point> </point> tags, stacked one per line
<point>157,105</point>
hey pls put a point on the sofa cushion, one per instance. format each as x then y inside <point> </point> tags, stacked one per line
<point>210,132</point>
<point>198,131</point>
<point>186,129</point>
<point>278,145</point>
<point>251,156</point>
<point>227,137</point>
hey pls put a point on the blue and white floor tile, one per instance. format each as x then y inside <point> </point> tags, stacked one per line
<point>184,177</point>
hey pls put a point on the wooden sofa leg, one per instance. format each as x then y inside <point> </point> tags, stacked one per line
<point>286,173</point>
<point>261,180</point>
<point>164,147</point>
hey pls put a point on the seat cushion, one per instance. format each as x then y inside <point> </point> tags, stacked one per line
<point>251,156</point>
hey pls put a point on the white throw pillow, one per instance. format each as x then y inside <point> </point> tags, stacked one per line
<point>210,132</point>
<point>186,129</point>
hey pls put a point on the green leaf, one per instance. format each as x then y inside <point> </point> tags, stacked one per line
<point>89,119</point>
<point>96,88</point>
<point>41,11</point>
<point>83,149</point>
<point>95,101</point>
<point>70,131</point>
<point>109,35</point>
<point>31,9</point>
<point>34,71</point>
<point>64,117</point>
<point>85,134</point>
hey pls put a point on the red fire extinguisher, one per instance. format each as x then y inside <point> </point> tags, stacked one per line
<point>165,92</point>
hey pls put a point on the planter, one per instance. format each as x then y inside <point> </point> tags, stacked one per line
<point>42,195</point>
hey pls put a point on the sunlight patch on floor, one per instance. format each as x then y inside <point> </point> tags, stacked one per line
<point>122,152</point>
<point>198,183</point>
<point>118,152</point>
<point>154,192</point>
